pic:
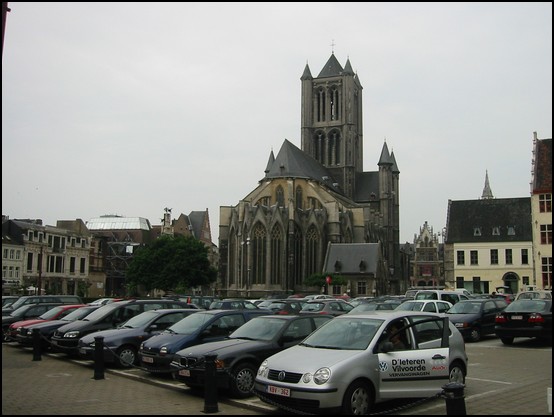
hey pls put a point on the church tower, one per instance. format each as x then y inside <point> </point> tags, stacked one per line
<point>331,121</point>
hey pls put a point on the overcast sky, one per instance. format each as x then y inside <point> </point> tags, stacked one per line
<point>128,108</point>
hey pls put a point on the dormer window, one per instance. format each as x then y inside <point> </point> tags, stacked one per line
<point>496,231</point>
<point>476,231</point>
<point>511,230</point>
<point>338,265</point>
<point>362,266</point>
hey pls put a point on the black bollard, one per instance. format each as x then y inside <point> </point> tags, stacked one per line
<point>454,395</point>
<point>210,385</point>
<point>99,357</point>
<point>37,345</point>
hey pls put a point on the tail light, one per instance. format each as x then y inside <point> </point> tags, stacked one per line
<point>500,318</point>
<point>535,318</point>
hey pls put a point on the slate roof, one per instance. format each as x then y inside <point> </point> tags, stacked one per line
<point>291,162</point>
<point>488,215</point>
<point>352,258</point>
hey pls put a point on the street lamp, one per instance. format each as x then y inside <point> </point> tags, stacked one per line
<point>248,283</point>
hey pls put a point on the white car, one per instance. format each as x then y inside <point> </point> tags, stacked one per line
<point>431,306</point>
<point>351,363</point>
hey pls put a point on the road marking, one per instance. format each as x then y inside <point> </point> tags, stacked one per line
<point>489,380</point>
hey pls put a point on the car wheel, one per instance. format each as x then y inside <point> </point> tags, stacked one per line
<point>243,380</point>
<point>457,373</point>
<point>475,334</point>
<point>126,356</point>
<point>507,340</point>
<point>358,399</point>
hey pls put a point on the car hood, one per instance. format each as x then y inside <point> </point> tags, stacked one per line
<point>221,347</point>
<point>49,324</point>
<point>304,359</point>
<point>25,323</point>
<point>108,334</point>
<point>167,339</point>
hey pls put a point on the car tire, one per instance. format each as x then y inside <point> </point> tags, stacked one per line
<point>457,373</point>
<point>507,340</point>
<point>475,334</point>
<point>358,399</point>
<point>243,380</point>
<point>127,356</point>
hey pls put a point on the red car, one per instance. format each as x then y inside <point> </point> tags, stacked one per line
<point>55,313</point>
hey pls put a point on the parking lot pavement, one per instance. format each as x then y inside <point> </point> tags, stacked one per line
<point>57,386</point>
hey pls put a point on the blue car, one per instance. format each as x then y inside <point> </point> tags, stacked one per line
<point>121,345</point>
<point>157,353</point>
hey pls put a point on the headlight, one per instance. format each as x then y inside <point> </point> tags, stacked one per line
<point>322,375</point>
<point>72,334</point>
<point>163,350</point>
<point>263,370</point>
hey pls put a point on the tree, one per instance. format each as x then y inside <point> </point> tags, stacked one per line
<point>169,263</point>
<point>319,280</point>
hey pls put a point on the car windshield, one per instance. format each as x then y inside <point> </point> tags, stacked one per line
<point>313,307</point>
<point>51,313</point>
<point>465,308</point>
<point>526,306</point>
<point>259,329</point>
<point>410,306</point>
<point>140,320</point>
<point>102,312</point>
<point>79,313</point>
<point>349,333</point>
<point>190,324</point>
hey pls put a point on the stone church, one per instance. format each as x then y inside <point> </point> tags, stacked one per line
<point>312,197</point>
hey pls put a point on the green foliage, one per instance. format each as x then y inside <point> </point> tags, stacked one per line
<point>319,280</point>
<point>170,263</point>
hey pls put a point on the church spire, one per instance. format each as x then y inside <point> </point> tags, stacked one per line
<point>487,192</point>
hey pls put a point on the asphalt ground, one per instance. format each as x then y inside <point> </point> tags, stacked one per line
<point>502,380</point>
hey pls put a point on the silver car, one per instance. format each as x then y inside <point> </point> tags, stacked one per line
<point>357,360</point>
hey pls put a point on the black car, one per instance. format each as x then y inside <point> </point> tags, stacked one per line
<point>121,345</point>
<point>25,312</point>
<point>24,335</point>
<point>475,318</point>
<point>157,352</point>
<point>240,355</point>
<point>41,299</point>
<point>525,318</point>
<point>109,316</point>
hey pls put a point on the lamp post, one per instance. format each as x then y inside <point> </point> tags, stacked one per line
<point>39,281</point>
<point>248,283</point>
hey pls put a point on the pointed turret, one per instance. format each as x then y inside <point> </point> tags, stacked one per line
<point>385,158</point>
<point>487,192</point>
<point>270,162</point>
<point>332,68</point>
<point>307,74</point>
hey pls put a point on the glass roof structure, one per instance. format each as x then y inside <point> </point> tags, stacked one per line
<point>118,223</point>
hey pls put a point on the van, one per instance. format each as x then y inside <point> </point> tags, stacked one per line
<point>451,296</point>
<point>40,299</point>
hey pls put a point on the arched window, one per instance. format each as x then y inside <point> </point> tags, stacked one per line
<point>299,204</point>
<point>297,261</point>
<point>276,255</point>
<point>259,261</point>
<point>280,196</point>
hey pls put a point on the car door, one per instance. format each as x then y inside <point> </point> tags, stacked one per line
<point>423,368</point>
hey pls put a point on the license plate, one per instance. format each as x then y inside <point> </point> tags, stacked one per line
<point>284,392</point>
<point>184,372</point>
<point>147,359</point>
<point>517,317</point>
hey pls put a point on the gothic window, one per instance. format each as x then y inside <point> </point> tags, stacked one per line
<point>259,237</point>
<point>312,240</point>
<point>320,104</point>
<point>276,255</point>
<point>280,196</point>
<point>319,139</point>
<point>335,103</point>
<point>299,197</point>
<point>333,148</point>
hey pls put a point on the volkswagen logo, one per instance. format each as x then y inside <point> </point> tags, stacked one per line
<point>281,376</point>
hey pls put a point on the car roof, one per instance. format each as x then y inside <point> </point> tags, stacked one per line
<point>388,314</point>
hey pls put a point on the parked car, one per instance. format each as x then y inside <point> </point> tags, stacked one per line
<point>431,306</point>
<point>330,306</point>
<point>104,301</point>
<point>232,304</point>
<point>451,296</point>
<point>288,306</point>
<point>66,338</point>
<point>360,308</point>
<point>530,295</point>
<point>46,329</point>
<point>349,364</point>
<point>525,318</point>
<point>8,299</point>
<point>157,352</point>
<point>55,313</point>
<point>475,318</point>
<point>202,301</point>
<point>121,345</point>
<point>35,299</point>
<point>25,312</point>
<point>240,355</point>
